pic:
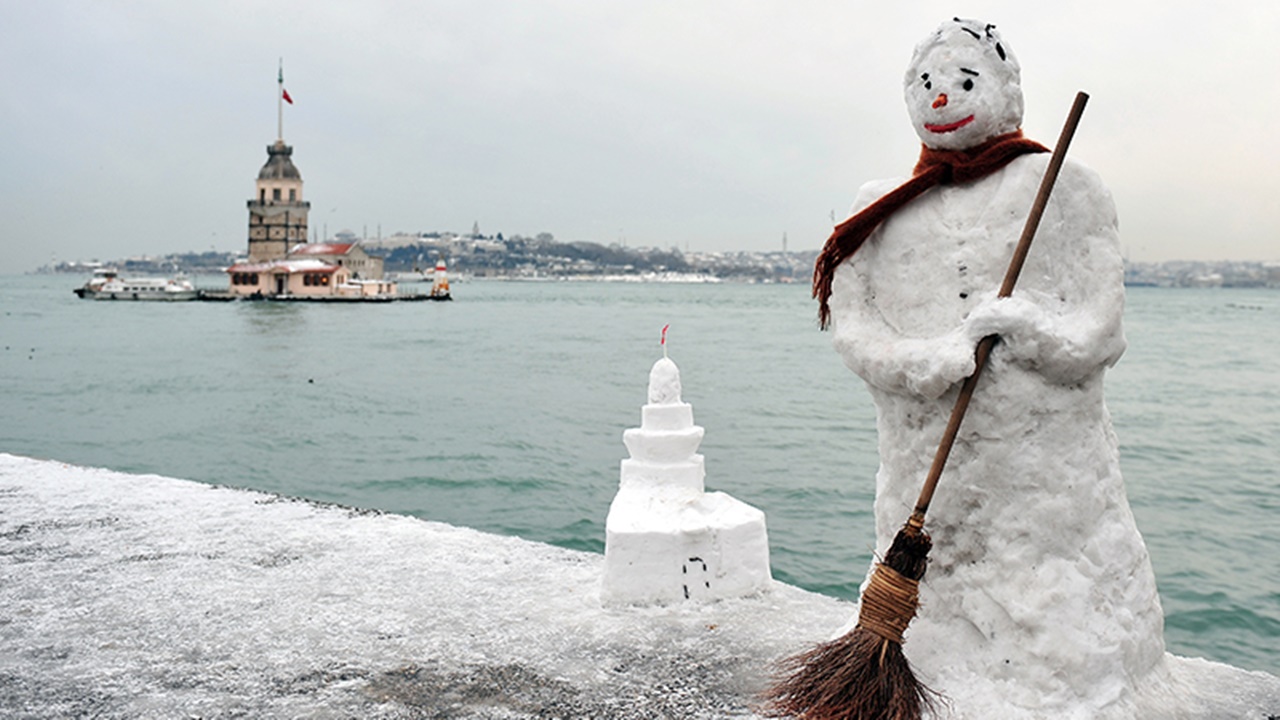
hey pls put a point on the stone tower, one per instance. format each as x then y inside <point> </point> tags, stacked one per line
<point>278,215</point>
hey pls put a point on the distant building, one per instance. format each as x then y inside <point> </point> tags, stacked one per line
<point>286,277</point>
<point>278,215</point>
<point>281,262</point>
<point>362,265</point>
<point>302,278</point>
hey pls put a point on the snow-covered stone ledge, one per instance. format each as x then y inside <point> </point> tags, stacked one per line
<point>127,596</point>
<point>144,596</point>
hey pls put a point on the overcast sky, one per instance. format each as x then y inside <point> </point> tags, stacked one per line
<point>139,127</point>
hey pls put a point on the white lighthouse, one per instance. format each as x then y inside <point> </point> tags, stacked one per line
<point>666,539</point>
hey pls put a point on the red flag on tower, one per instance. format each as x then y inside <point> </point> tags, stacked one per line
<point>286,96</point>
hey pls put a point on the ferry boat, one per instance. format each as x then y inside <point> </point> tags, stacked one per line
<point>106,284</point>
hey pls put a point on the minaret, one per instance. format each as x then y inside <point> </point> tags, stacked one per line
<point>278,215</point>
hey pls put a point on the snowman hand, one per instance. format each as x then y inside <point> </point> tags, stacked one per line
<point>1022,324</point>
<point>947,361</point>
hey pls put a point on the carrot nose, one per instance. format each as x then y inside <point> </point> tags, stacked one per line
<point>940,102</point>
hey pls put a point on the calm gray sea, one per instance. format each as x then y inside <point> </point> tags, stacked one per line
<point>504,411</point>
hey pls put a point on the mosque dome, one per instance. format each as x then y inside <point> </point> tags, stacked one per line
<point>279,166</point>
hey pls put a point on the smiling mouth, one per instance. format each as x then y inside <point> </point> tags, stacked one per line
<point>949,126</point>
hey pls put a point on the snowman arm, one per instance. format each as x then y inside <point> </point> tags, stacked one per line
<point>1066,324</point>
<point>876,350</point>
<point>880,354</point>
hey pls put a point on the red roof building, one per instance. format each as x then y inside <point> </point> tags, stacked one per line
<point>305,277</point>
<point>362,265</point>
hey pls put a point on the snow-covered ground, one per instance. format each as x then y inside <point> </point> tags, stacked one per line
<point>143,596</point>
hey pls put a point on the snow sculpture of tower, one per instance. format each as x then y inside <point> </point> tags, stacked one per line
<point>666,539</point>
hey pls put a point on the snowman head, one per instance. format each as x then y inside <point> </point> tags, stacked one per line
<point>963,86</point>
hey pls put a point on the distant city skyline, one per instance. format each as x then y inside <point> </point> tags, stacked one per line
<point>139,128</point>
<point>541,257</point>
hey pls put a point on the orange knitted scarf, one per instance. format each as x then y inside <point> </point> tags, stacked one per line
<point>936,167</point>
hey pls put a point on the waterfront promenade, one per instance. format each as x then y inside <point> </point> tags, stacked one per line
<point>125,596</point>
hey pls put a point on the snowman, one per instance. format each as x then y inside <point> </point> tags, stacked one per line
<point>1039,595</point>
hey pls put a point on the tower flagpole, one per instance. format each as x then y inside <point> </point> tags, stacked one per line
<point>280,103</point>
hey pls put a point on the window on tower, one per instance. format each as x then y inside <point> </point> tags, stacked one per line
<point>293,194</point>
<point>275,193</point>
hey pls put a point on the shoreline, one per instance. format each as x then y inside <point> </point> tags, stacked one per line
<point>144,596</point>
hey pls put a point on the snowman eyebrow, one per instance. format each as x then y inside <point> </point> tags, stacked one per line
<point>967,71</point>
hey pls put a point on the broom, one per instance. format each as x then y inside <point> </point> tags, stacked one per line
<point>864,675</point>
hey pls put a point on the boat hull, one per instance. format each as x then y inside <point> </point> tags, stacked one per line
<point>141,295</point>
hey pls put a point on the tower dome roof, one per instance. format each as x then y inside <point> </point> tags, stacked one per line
<point>279,166</point>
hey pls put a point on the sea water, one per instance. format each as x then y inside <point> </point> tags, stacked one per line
<point>504,411</point>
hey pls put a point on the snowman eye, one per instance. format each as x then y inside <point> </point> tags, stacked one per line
<point>927,85</point>
<point>968,84</point>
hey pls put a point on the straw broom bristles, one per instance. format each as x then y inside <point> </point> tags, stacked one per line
<point>864,675</point>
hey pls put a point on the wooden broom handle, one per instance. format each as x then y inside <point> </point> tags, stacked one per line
<point>1006,289</point>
